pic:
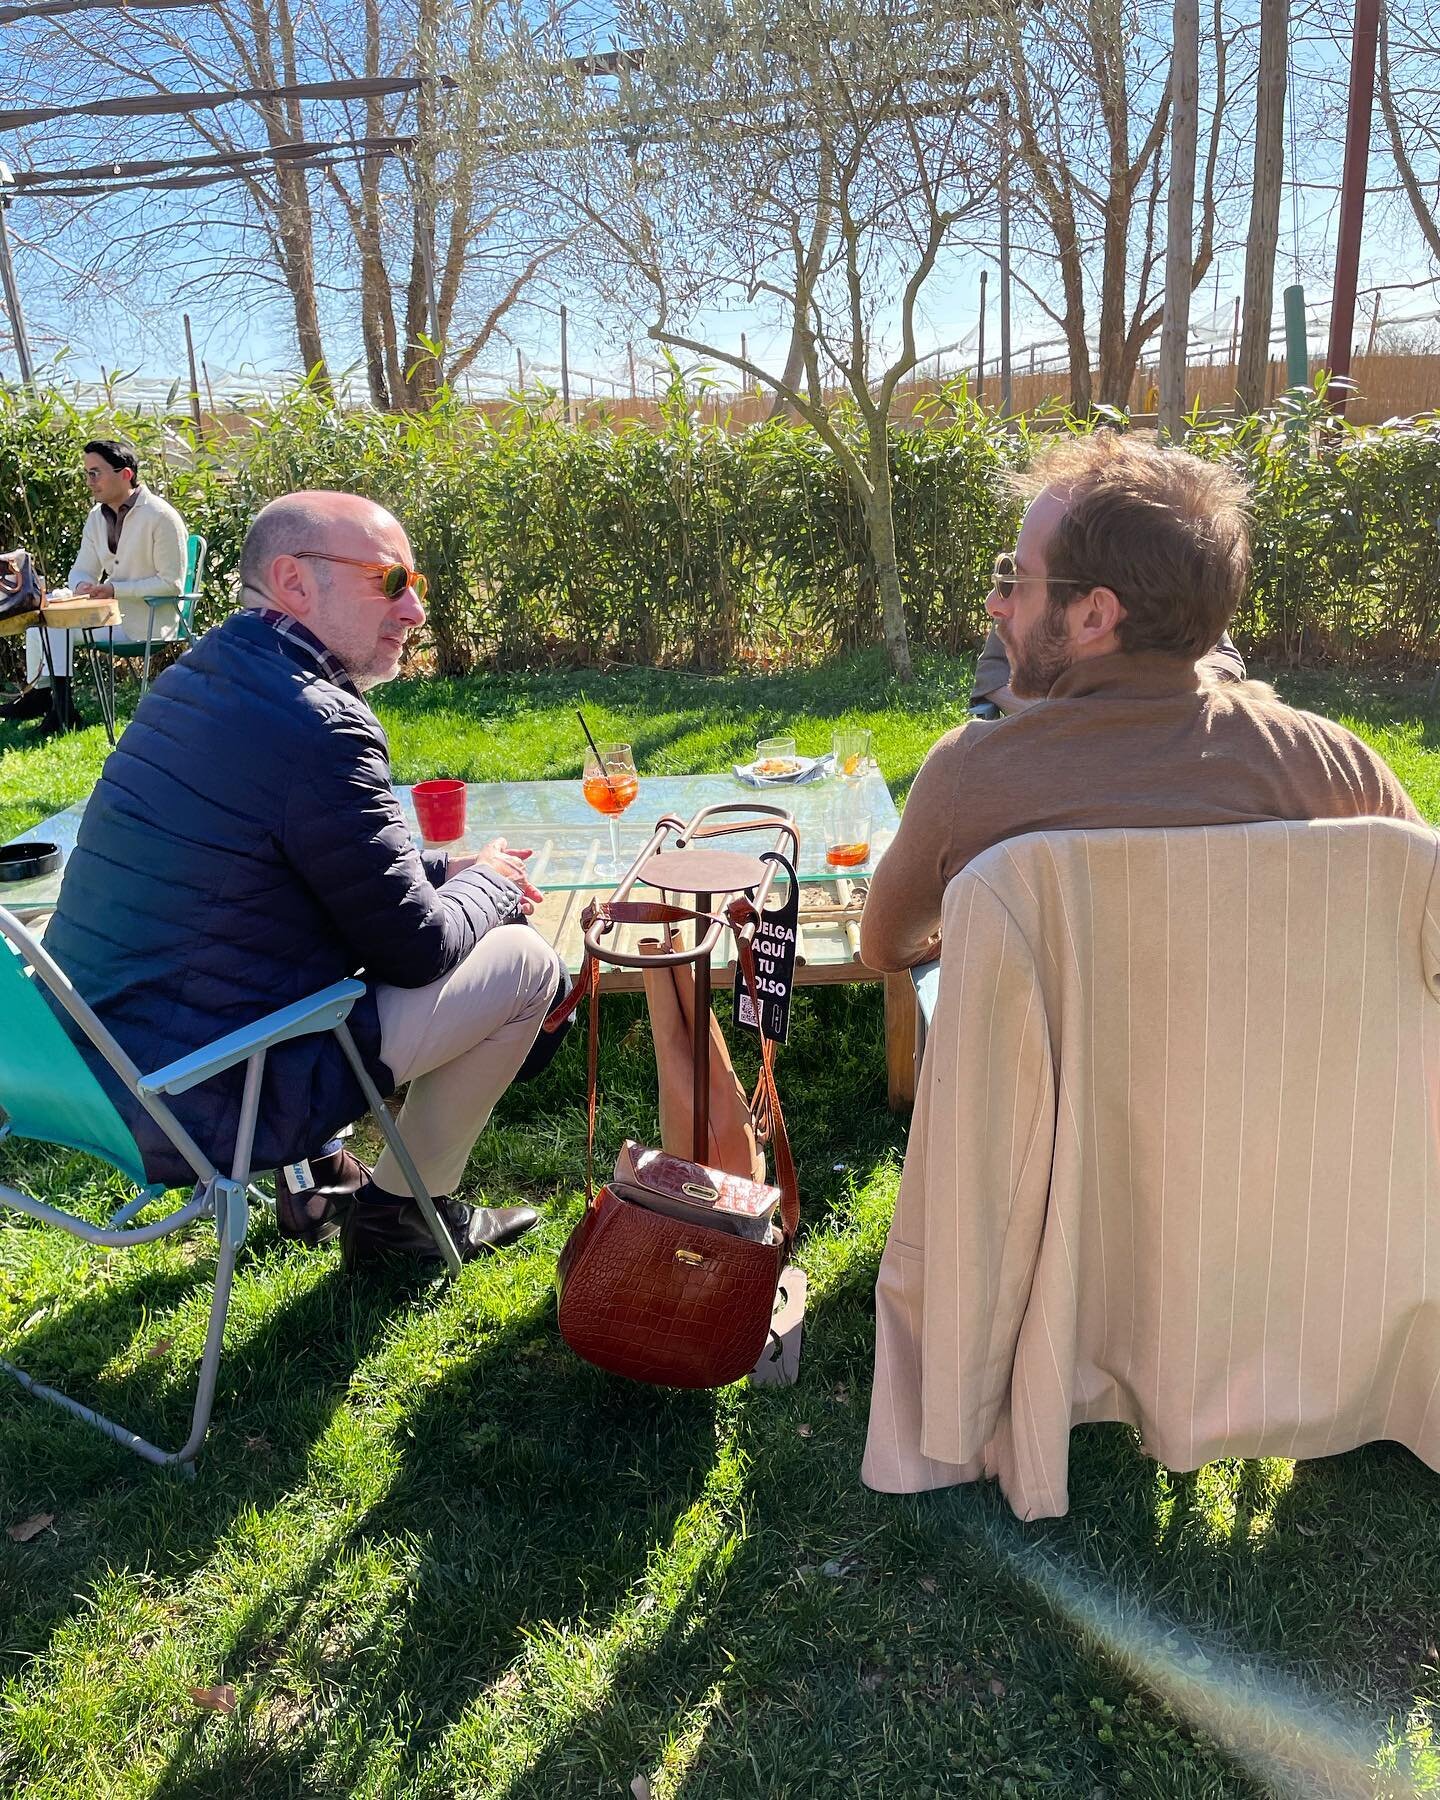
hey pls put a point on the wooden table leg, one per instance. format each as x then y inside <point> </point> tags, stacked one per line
<point>900,1040</point>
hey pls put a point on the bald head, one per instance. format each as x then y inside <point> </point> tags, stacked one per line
<point>320,556</point>
<point>313,519</point>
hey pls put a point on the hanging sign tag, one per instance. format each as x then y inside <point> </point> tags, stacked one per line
<point>777,939</point>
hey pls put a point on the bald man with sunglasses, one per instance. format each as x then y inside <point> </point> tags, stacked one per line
<point>244,848</point>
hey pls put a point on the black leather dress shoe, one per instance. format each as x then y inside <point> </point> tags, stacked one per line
<point>34,703</point>
<point>313,1216</point>
<point>63,714</point>
<point>378,1224</point>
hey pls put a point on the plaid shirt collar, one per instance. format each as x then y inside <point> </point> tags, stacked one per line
<point>301,638</point>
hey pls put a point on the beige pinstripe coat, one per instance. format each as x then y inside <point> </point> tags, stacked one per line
<point>1175,1158</point>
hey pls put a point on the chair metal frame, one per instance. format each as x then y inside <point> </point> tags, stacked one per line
<point>218,1197</point>
<point>199,546</point>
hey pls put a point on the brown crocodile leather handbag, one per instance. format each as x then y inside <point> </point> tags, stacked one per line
<point>663,1299</point>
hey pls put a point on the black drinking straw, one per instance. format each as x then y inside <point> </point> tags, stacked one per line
<point>599,759</point>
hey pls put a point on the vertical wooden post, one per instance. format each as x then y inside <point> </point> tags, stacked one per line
<point>565,361</point>
<point>1007,396</point>
<point>1352,190</point>
<point>194,378</point>
<point>980,362</point>
<point>1180,242</point>
<point>12,302</point>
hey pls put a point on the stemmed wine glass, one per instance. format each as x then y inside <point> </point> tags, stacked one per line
<point>610,784</point>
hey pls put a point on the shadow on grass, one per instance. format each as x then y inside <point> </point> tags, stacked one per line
<point>117,1511</point>
<point>492,1462</point>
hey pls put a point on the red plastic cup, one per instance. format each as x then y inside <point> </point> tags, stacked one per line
<point>440,810</point>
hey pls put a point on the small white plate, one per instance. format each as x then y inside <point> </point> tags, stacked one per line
<point>812,768</point>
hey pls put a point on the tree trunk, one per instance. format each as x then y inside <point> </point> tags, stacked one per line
<point>1259,303</point>
<point>294,226</point>
<point>1179,246</point>
<point>880,525</point>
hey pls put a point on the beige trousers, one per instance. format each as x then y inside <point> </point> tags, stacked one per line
<point>459,1043</point>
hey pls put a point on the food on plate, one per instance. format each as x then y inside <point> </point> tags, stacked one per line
<point>770,766</point>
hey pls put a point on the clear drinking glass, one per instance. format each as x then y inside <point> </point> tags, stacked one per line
<point>851,748</point>
<point>847,843</point>
<point>775,756</point>
<point>609,786</point>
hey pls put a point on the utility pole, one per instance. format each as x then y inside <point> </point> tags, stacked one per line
<point>980,368</point>
<point>1007,398</point>
<point>630,355</point>
<point>565,361</point>
<point>1235,332</point>
<point>520,371</point>
<point>12,288</point>
<point>1352,191</point>
<point>1374,325</point>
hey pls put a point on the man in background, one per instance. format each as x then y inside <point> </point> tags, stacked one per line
<point>133,550</point>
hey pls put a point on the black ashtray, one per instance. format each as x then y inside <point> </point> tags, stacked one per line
<point>26,862</point>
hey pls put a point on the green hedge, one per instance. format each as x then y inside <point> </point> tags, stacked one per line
<point>692,545</point>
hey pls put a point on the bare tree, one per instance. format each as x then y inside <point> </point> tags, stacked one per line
<point>806,161</point>
<point>1179,253</point>
<point>1258,306</point>
<point>1091,85</point>
<point>1410,106</point>
<point>412,249</point>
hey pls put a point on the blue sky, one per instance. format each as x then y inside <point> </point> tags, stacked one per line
<point>113,325</point>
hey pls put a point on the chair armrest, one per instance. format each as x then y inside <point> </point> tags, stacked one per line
<point>318,1012</point>
<point>926,977</point>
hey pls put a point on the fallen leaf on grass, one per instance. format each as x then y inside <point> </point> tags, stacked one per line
<point>841,1395</point>
<point>930,1584</point>
<point>804,1431</point>
<point>160,1347</point>
<point>31,1527</point>
<point>214,1699</point>
<point>997,1687</point>
<point>257,1443</point>
<point>841,1566</point>
<point>640,1788</point>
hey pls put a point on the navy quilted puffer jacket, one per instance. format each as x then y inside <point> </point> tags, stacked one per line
<point>242,849</point>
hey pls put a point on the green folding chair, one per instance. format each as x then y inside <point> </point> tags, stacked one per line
<point>48,1093</point>
<point>196,553</point>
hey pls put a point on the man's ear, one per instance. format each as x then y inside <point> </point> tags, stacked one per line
<point>287,585</point>
<point>1100,615</point>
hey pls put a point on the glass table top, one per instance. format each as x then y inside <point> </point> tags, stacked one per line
<point>568,837</point>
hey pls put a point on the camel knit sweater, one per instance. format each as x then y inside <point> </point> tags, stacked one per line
<point>1124,740</point>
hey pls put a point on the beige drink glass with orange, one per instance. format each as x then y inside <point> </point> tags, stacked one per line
<point>609,784</point>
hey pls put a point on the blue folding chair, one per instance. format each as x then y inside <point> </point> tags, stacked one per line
<point>48,1093</point>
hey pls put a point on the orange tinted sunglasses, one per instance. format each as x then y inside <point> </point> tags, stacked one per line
<point>394,576</point>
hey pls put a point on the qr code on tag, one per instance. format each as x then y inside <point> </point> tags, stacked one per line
<point>747,1011</point>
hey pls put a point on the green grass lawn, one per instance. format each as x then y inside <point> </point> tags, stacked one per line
<point>434,1555</point>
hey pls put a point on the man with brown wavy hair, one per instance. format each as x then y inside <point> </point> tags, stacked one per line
<point>1130,564</point>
